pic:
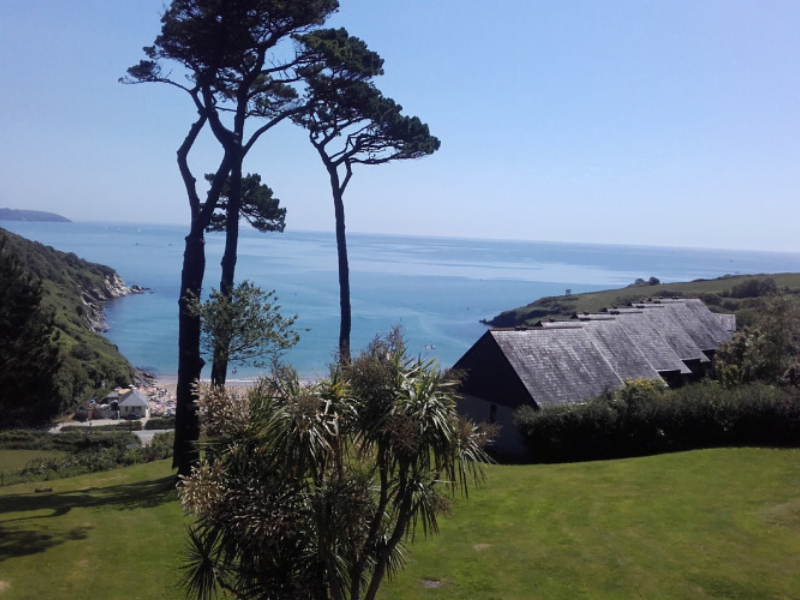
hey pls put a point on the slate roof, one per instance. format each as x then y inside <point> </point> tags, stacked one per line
<point>673,330</point>
<point>694,323</point>
<point>643,332</point>
<point>563,362</point>
<point>557,366</point>
<point>706,328</point>
<point>719,328</point>
<point>133,398</point>
<point>558,324</point>
<point>626,358</point>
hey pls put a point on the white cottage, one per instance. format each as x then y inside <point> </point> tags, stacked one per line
<point>133,404</point>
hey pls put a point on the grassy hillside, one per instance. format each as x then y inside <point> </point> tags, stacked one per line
<point>74,291</point>
<point>733,294</point>
<point>706,524</point>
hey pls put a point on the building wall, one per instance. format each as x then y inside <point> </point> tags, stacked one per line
<point>489,375</point>
<point>138,411</point>
<point>509,442</point>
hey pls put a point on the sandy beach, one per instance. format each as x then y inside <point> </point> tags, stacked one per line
<point>170,383</point>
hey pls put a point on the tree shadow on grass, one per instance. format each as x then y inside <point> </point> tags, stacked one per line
<point>22,542</point>
<point>31,534</point>
<point>129,496</point>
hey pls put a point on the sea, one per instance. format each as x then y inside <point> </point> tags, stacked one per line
<point>436,289</point>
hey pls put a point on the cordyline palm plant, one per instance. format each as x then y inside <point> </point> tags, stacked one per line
<point>308,491</point>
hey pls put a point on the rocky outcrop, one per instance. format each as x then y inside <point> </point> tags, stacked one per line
<point>116,288</point>
<point>94,299</point>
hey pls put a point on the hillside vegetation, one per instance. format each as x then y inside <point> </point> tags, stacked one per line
<point>11,214</point>
<point>717,523</point>
<point>74,291</point>
<point>737,294</point>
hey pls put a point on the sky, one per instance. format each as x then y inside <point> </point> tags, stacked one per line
<point>644,122</point>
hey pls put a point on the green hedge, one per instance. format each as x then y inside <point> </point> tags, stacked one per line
<point>121,426</point>
<point>94,459</point>
<point>71,441</point>
<point>642,419</point>
<point>158,423</point>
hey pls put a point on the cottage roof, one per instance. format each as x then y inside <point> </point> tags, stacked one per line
<point>134,398</point>
<point>598,316</point>
<point>694,323</point>
<point>558,324</point>
<point>673,330</point>
<point>562,362</point>
<point>557,366</point>
<point>645,334</point>
<point>719,328</point>
<point>705,328</point>
<point>625,357</point>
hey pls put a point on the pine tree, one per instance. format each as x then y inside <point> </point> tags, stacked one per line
<point>29,357</point>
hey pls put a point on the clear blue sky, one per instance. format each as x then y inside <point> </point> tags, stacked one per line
<point>670,122</point>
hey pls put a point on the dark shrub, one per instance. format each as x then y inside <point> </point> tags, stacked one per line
<point>754,288</point>
<point>157,423</point>
<point>710,299</point>
<point>640,419</point>
<point>121,426</point>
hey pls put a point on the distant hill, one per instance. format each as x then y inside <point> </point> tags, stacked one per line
<point>739,294</point>
<point>10,214</point>
<point>75,291</point>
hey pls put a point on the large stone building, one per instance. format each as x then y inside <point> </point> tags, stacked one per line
<point>567,362</point>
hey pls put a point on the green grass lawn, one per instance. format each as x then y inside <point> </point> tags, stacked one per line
<point>706,524</point>
<point>117,534</point>
<point>13,460</point>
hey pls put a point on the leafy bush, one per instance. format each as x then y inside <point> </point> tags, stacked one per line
<point>767,351</point>
<point>754,288</point>
<point>162,445</point>
<point>644,419</point>
<point>308,488</point>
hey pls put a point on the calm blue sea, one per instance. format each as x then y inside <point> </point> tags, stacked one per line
<point>436,288</point>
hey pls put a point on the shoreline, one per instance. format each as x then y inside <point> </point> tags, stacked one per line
<point>170,383</point>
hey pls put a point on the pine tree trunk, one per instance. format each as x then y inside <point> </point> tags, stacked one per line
<point>219,370</point>
<point>344,275</point>
<point>190,363</point>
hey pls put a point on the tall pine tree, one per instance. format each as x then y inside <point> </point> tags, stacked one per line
<point>29,358</point>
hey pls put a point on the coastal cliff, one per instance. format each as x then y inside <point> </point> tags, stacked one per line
<point>95,297</point>
<point>75,292</point>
